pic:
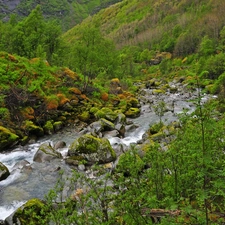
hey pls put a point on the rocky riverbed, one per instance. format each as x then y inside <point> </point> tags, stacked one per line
<point>34,169</point>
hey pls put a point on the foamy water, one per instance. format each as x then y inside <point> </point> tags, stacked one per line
<point>7,210</point>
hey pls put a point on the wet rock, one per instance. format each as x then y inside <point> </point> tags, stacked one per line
<point>108,125</point>
<point>60,144</point>
<point>121,129</point>
<point>109,134</point>
<point>81,167</point>
<point>131,127</point>
<point>4,172</point>
<point>22,164</point>
<point>46,153</point>
<point>121,119</point>
<point>96,127</point>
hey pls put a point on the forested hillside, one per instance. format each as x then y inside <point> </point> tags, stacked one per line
<point>66,13</point>
<point>51,79</point>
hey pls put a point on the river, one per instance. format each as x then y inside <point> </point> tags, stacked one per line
<point>37,179</point>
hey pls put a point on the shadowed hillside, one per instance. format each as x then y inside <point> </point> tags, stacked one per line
<point>67,13</point>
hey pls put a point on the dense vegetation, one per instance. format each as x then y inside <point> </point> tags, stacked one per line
<point>66,13</point>
<point>43,69</point>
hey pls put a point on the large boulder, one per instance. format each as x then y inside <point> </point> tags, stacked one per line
<point>92,149</point>
<point>7,138</point>
<point>4,172</point>
<point>46,153</point>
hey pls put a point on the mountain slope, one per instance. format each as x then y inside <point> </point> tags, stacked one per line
<point>175,26</point>
<point>66,12</point>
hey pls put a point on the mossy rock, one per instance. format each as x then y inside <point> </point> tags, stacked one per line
<point>155,128</point>
<point>92,149</point>
<point>150,83</point>
<point>133,102</point>
<point>46,153</point>
<point>7,138</point>
<point>4,172</point>
<point>33,129</point>
<point>133,112</point>
<point>58,125</point>
<point>24,140</point>
<point>75,160</point>
<point>84,116</point>
<point>48,127</point>
<point>106,113</point>
<point>93,110</point>
<point>173,89</point>
<point>158,136</point>
<point>32,212</point>
<point>158,91</point>
<point>107,125</point>
<point>121,118</point>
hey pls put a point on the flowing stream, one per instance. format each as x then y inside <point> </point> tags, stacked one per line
<point>36,179</point>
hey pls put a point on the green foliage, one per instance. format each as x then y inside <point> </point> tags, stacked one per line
<point>92,54</point>
<point>207,47</point>
<point>32,37</point>
<point>160,110</point>
<point>215,65</point>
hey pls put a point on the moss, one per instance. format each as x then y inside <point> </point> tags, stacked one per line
<point>93,110</point>
<point>155,128</point>
<point>7,138</point>
<point>133,102</point>
<point>24,140</point>
<point>32,212</point>
<point>33,129</point>
<point>132,112</point>
<point>48,127</point>
<point>88,144</point>
<point>158,91</point>
<point>108,125</point>
<point>84,116</point>
<point>106,113</point>
<point>4,172</point>
<point>58,125</point>
<point>158,136</point>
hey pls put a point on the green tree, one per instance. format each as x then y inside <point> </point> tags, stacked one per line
<point>197,162</point>
<point>92,54</point>
<point>207,47</point>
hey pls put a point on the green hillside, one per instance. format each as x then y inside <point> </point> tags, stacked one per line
<point>66,13</point>
<point>175,26</point>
